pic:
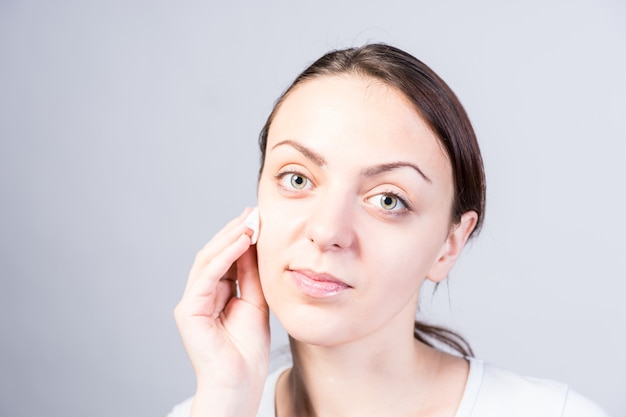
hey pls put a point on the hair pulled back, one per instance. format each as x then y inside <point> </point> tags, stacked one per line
<point>437,104</point>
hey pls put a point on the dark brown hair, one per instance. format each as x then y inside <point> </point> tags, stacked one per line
<point>437,104</point>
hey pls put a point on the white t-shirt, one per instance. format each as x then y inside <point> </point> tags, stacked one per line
<point>490,392</point>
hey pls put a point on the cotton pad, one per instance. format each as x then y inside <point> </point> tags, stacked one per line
<point>252,221</point>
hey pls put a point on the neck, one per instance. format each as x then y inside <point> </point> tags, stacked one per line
<point>363,378</point>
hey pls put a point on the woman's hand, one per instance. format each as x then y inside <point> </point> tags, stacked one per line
<point>226,337</point>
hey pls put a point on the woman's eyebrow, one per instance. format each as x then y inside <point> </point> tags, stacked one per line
<point>379,169</point>
<point>310,154</point>
<point>372,171</point>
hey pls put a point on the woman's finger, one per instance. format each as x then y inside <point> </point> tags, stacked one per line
<point>214,249</point>
<point>225,291</point>
<point>248,277</point>
<point>229,226</point>
<point>206,278</point>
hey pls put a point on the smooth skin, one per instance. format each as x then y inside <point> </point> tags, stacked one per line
<point>356,190</point>
<point>226,337</point>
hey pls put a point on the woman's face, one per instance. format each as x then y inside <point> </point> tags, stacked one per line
<point>355,201</point>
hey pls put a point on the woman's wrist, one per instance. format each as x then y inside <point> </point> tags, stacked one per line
<point>225,402</point>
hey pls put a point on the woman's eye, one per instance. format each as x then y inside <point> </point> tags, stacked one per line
<point>298,181</point>
<point>294,180</point>
<point>389,202</point>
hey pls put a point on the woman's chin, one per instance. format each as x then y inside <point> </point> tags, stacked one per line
<point>315,329</point>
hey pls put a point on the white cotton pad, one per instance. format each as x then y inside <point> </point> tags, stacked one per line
<point>252,221</point>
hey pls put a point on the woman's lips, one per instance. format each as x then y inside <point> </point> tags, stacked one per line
<point>317,285</point>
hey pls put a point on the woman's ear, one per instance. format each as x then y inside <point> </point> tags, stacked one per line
<point>452,247</point>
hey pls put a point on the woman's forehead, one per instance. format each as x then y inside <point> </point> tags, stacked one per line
<point>364,115</point>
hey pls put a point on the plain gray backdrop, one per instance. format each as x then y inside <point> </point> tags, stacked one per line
<point>128,137</point>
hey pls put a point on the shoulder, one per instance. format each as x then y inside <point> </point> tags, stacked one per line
<point>494,391</point>
<point>182,410</point>
<point>578,406</point>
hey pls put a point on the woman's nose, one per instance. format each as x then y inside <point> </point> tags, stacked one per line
<point>330,224</point>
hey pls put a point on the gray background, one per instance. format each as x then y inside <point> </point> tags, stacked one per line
<point>128,137</point>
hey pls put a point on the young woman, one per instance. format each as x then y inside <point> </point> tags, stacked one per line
<point>371,182</point>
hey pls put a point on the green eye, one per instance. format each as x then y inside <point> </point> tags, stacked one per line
<point>388,202</point>
<point>298,181</point>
